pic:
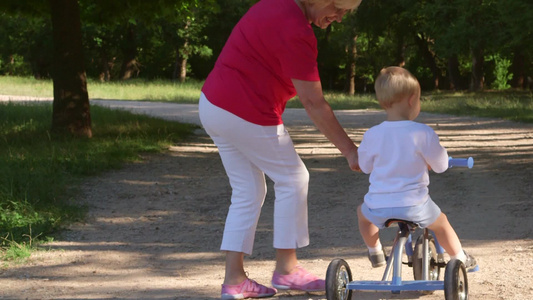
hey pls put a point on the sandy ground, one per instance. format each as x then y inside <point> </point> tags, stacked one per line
<point>154,228</point>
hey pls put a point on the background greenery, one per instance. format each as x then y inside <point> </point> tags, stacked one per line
<point>459,44</point>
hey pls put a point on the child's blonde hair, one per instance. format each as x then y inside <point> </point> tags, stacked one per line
<point>394,84</point>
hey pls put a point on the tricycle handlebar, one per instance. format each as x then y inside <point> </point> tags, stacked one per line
<point>460,162</point>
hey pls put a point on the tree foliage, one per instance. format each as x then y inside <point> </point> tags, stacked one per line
<point>447,44</point>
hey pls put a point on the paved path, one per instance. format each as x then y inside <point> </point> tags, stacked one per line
<point>188,113</point>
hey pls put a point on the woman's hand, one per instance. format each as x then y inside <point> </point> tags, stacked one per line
<point>353,161</point>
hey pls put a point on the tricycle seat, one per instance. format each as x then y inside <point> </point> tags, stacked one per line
<point>412,225</point>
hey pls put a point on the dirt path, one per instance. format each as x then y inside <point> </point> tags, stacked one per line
<point>154,228</point>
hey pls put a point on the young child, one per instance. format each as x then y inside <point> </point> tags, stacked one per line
<point>398,155</point>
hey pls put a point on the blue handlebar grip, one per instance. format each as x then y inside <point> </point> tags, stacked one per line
<point>460,162</point>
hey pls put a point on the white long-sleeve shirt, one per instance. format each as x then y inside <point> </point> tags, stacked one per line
<point>396,154</point>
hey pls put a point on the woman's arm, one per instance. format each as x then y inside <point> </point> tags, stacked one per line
<point>318,109</point>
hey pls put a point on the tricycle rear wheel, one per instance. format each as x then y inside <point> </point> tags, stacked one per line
<point>418,256</point>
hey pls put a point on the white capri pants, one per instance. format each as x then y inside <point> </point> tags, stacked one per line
<point>248,152</point>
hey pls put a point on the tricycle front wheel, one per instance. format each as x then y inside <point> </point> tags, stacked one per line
<point>338,276</point>
<point>455,281</point>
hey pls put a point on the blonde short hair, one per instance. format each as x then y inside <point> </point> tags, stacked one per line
<point>342,4</point>
<point>347,4</point>
<point>394,84</point>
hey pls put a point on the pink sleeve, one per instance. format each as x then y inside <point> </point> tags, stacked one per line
<point>298,56</point>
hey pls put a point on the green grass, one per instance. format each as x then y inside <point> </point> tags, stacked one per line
<point>339,100</point>
<point>135,89</point>
<point>158,90</point>
<point>26,86</point>
<point>511,105</point>
<point>41,172</point>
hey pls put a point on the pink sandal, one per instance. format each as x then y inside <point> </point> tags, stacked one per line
<point>300,280</point>
<point>247,289</point>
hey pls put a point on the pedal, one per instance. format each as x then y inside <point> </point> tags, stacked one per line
<point>475,269</point>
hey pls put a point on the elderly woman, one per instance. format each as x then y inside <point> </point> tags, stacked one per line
<point>270,57</point>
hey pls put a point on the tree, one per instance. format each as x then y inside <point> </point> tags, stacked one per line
<point>350,37</point>
<point>516,38</point>
<point>25,40</point>
<point>424,47</point>
<point>190,19</point>
<point>445,43</point>
<point>71,111</point>
<point>441,25</point>
<point>130,65</point>
<point>351,51</point>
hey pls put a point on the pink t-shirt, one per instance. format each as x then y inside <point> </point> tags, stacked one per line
<point>272,43</point>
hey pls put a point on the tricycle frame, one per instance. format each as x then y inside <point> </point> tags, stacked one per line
<point>339,284</point>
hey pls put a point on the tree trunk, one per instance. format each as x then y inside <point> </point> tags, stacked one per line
<point>429,56</point>
<point>11,62</point>
<point>517,68</point>
<point>182,56</point>
<point>71,110</point>
<point>183,70</point>
<point>477,79</point>
<point>327,78</point>
<point>106,65</point>
<point>130,66</point>
<point>400,52</point>
<point>352,55</point>
<point>456,80</point>
<point>180,66</point>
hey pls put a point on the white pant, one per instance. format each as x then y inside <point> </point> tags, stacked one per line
<point>248,152</point>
